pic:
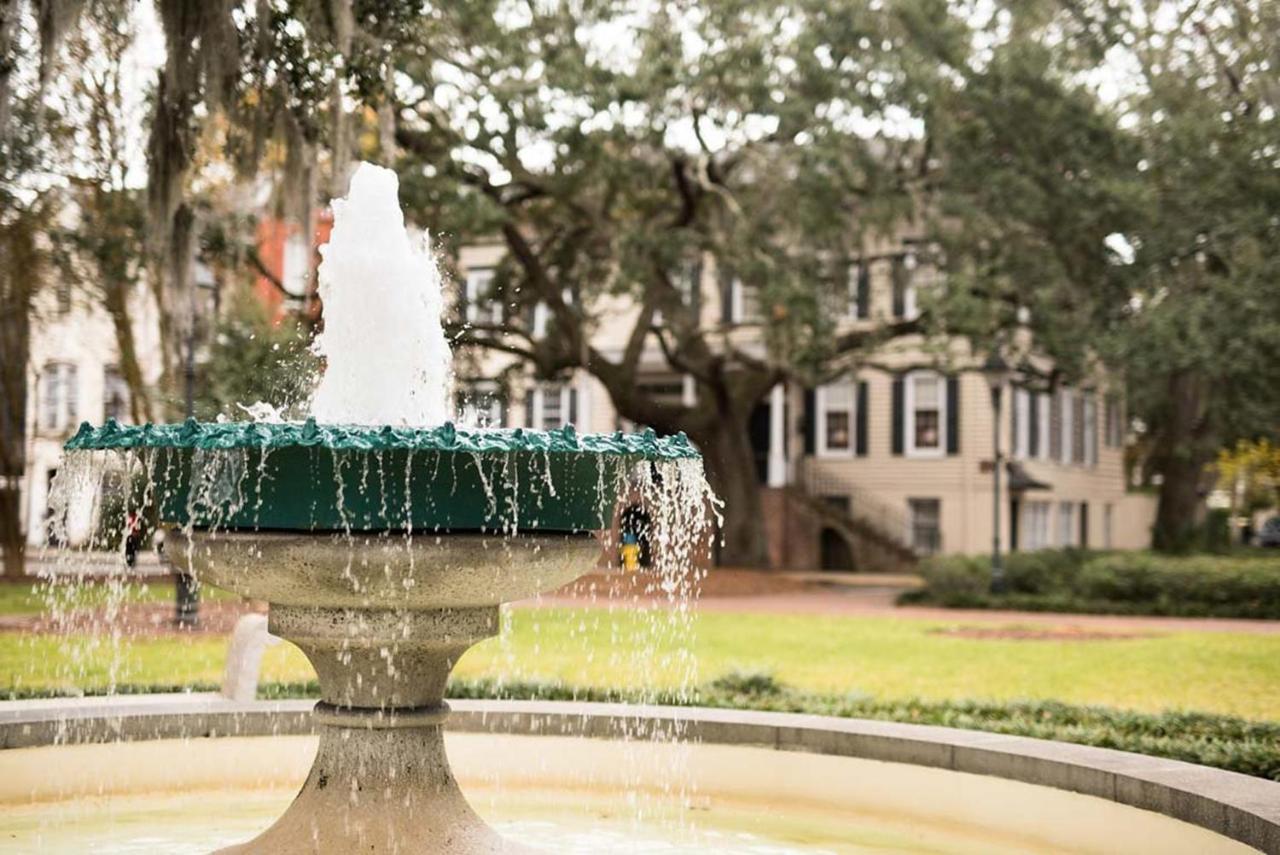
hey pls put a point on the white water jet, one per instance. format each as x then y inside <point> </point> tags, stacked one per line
<point>388,361</point>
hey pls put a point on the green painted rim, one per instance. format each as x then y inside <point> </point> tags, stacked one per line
<point>211,436</point>
<point>311,477</point>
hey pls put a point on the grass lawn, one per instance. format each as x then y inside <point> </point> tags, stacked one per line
<point>886,658</point>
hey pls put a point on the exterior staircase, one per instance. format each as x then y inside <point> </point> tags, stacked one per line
<point>876,533</point>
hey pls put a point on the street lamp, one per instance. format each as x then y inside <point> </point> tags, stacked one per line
<point>997,372</point>
<point>186,593</point>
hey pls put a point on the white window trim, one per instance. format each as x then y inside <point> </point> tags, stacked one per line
<point>1090,430</point>
<point>472,285</point>
<point>821,408</point>
<point>1022,410</point>
<point>1067,526</point>
<point>909,416</point>
<point>737,301</point>
<point>566,391</point>
<point>1068,427</point>
<point>1035,525</point>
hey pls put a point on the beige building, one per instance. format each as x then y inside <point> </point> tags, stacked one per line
<point>891,462</point>
<point>73,376</point>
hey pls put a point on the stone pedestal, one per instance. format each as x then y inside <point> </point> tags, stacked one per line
<point>383,620</point>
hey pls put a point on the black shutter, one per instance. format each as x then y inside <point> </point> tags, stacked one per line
<point>726,295</point>
<point>864,291</point>
<point>899,288</point>
<point>528,408</point>
<point>695,291</point>
<point>860,438</point>
<point>810,422</point>
<point>1033,425</point>
<point>573,407</point>
<point>1013,418</point>
<point>899,420</point>
<point>953,415</point>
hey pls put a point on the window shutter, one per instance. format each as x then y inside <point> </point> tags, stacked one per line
<point>726,296</point>
<point>864,290</point>
<point>953,415</point>
<point>860,439</point>
<point>1033,424</point>
<point>899,420</point>
<point>573,407</point>
<point>528,408</point>
<point>810,422</point>
<point>1055,425</point>
<point>899,288</point>
<point>1014,394</point>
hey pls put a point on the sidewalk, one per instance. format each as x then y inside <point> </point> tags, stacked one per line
<point>870,595</point>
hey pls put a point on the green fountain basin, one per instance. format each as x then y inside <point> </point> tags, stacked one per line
<point>303,476</point>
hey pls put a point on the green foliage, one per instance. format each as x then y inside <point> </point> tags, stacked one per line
<point>251,360</point>
<point>1110,583</point>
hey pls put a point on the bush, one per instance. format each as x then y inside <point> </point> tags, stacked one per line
<point>1110,583</point>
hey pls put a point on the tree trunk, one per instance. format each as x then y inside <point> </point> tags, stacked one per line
<point>731,469</point>
<point>19,278</point>
<point>115,294</point>
<point>1182,452</point>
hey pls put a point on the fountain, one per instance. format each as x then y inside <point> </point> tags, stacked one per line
<point>385,540</point>
<point>384,551</point>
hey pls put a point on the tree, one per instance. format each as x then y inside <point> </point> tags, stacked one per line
<point>1138,228</point>
<point>728,134</point>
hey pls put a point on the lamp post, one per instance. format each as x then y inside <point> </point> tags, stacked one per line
<point>186,605</point>
<point>997,373</point>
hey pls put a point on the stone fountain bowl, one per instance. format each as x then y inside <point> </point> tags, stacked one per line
<point>384,554</point>
<point>302,476</point>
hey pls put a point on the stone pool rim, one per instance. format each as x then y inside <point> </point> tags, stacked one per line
<point>1240,807</point>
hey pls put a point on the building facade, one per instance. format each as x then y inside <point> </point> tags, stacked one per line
<point>73,376</point>
<point>875,468</point>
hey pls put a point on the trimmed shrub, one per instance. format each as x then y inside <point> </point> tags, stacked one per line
<point>1110,583</point>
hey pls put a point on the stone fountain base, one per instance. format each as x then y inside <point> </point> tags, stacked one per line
<point>383,619</point>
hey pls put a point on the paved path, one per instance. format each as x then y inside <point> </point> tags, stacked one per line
<point>864,598</point>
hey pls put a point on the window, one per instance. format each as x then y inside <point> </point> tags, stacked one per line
<point>63,294</point>
<point>480,405</point>
<point>904,287</point>
<point>115,395</point>
<point>835,403</point>
<point>1113,430</point>
<point>1089,413</point>
<point>1021,415</point>
<point>59,396</point>
<point>482,304</point>
<point>925,519</point>
<point>739,302</point>
<point>859,305</point>
<point>1035,525</point>
<point>926,410</point>
<point>1066,524</point>
<point>1066,430</point>
<point>553,405</point>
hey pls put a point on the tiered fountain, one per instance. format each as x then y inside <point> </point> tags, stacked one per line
<point>383,537</point>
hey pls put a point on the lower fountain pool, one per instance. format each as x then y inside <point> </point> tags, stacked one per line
<point>574,795</point>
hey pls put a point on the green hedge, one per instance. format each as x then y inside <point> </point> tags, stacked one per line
<point>1071,580</point>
